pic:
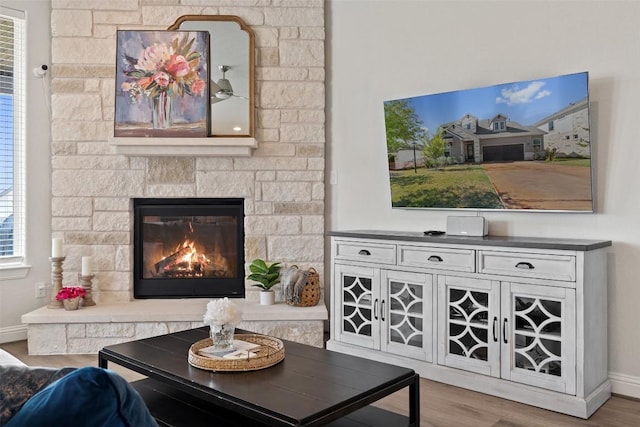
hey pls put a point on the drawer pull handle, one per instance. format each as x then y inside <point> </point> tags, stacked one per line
<point>375,309</point>
<point>526,265</point>
<point>382,310</point>
<point>495,327</point>
<point>364,252</point>
<point>434,258</point>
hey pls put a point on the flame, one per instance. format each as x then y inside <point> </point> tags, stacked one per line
<point>189,259</point>
<point>190,262</point>
<point>192,258</point>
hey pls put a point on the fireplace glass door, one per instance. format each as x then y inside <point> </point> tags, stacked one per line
<point>188,248</point>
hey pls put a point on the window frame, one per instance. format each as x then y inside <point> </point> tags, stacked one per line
<point>14,266</point>
<point>537,144</point>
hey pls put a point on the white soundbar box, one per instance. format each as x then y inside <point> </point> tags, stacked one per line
<point>475,226</point>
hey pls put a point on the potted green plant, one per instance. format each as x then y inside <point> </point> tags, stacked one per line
<point>267,277</point>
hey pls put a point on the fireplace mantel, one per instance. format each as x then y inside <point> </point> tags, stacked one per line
<point>192,147</point>
<point>87,330</point>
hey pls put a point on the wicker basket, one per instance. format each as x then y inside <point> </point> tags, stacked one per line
<point>270,352</point>
<point>310,293</point>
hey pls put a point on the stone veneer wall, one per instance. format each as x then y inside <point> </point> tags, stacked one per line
<point>282,183</point>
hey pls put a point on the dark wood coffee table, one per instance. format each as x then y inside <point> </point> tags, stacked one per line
<point>310,387</point>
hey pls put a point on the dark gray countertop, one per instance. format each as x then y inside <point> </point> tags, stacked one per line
<point>504,241</point>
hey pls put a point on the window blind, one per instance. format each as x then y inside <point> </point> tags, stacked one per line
<point>12,135</point>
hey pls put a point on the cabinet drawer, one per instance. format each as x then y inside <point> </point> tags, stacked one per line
<point>439,258</point>
<point>539,266</point>
<point>370,252</point>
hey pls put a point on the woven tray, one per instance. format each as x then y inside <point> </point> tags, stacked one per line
<point>270,352</point>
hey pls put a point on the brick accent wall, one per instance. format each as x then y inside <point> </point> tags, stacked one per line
<point>282,183</point>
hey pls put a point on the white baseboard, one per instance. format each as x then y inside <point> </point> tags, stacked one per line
<point>13,333</point>
<point>625,385</point>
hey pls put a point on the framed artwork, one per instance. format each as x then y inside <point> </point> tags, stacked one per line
<point>162,84</point>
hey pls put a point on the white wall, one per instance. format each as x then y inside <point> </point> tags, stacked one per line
<point>379,50</point>
<point>18,296</point>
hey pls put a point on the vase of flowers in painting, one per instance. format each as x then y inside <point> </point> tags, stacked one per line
<point>166,70</point>
<point>162,111</point>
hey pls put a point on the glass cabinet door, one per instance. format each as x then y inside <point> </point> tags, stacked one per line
<point>407,314</point>
<point>468,335</point>
<point>359,301</point>
<point>540,344</point>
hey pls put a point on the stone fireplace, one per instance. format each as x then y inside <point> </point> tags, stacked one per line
<point>281,180</point>
<point>188,248</point>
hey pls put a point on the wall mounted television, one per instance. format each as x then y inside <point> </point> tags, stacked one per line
<point>515,146</point>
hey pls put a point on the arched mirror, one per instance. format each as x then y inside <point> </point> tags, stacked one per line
<point>231,66</point>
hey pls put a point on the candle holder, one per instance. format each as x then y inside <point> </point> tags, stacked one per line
<point>56,280</point>
<point>85,282</point>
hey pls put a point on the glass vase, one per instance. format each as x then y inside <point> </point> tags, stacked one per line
<point>222,337</point>
<point>162,111</point>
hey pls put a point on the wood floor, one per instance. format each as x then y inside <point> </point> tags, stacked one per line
<point>441,405</point>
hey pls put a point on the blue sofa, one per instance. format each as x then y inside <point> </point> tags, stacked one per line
<point>82,397</point>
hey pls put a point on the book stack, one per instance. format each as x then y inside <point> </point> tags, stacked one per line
<point>239,350</point>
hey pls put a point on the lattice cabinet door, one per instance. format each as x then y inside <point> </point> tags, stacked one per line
<point>358,299</point>
<point>407,314</point>
<point>468,324</point>
<point>539,347</point>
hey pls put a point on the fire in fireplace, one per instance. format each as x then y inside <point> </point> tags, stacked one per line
<point>188,248</point>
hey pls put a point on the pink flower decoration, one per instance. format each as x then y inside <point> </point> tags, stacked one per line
<point>162,79</point>
<point>177,66</point>
<point>153,57</point>
<point>69,292</point>
<point>197,87</point>
<point>144,82</point>
<point>165,68</point>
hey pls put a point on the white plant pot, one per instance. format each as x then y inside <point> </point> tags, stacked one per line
<point>267,297</point>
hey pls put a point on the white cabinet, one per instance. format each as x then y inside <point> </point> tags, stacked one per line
<point>408,301</point>
<point>523,333</point>
<point>523,319</point>
<point>538,336</point>
<point>386,310</point>
<point>468,323</point>
<point>533,265</point>
<point>358,299</point>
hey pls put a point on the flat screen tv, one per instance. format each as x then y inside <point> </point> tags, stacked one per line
<point>513,146</point>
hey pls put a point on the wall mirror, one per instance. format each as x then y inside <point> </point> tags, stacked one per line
<point>231,65</point>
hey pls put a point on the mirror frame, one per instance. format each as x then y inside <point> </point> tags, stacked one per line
<point>244,27</point>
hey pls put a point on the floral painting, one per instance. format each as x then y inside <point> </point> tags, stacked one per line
<point>162,84</point>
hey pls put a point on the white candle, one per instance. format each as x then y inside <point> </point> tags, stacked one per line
<point>86,266</point>
<point>56,248</point>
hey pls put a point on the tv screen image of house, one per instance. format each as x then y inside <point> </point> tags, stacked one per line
<point>514,146</point>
